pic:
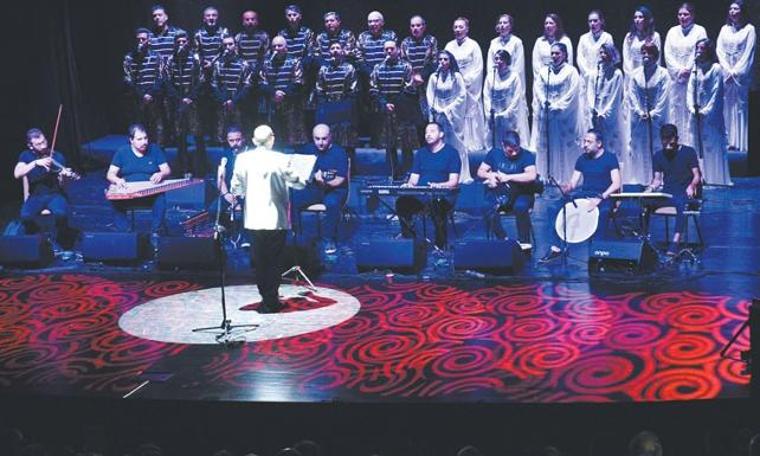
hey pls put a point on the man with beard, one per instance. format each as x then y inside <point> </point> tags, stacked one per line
<point>334,33</point>
<point>183,78</point>
<point>142,77</point>
<point>229,204</point>
<point>329,185</point>
<point>230,84</point>
<point>208,44</point>
<point>43,182</point>
<point>436,165</point>
<point>162,39</point>
<point>421,50</point>
<point>397,109</point>
<point>600,173</point>
<point>336,98</point>
<point>676,171</point>
<point>139,161</point>
<point>281,83</point>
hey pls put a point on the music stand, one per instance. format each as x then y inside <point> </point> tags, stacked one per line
<point>225,337</point>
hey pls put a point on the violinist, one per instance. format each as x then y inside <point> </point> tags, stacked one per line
<point>43,171</point>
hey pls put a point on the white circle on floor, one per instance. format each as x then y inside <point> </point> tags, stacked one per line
<point>173,318</point>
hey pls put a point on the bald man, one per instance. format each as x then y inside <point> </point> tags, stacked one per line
<point>281,84</point>
<point>329,184</point>
<point>263,177</point>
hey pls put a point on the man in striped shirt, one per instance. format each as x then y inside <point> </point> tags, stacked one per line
<point>281,82</point>
<point>421,50</point>
<point>230,84</point>
<point>334,32</point>
<point>299,38</point>
<point>142,77</point>
<point>162,39</point>
<point>208,44</point>
<point>252,45</point>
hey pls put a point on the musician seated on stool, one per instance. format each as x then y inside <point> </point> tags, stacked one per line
<point>329,184</point>
<point>676,170</point>
<point>508,173</point>
<point>601,178</point>
<point>139,162</point>
<point>45,178</point>
<point>436,165</point>
<point>230,204</point>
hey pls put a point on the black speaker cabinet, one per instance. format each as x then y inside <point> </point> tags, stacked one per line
<point>187,253</point>
<point>621,256</point>
<point>496,256</point>
<point>402,255</point>
<point>112,247</point>
<point>31,251</point>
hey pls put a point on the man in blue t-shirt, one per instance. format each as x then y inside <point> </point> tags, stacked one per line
<point>601,178</point>
<point>329,184</point>
<point>139,161</point>
<point>676,170</point>
<point>44,178</point>
<point>510,176</point>
<point>436,165</point>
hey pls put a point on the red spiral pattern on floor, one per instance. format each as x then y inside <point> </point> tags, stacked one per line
<point>523,343</point>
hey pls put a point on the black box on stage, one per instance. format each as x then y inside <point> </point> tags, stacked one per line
<point>187,253</point>
<point>621,256</point>
<point>489,255</point>
<point>402,255</point>
<point>25,251</point>
<point>111,247</point>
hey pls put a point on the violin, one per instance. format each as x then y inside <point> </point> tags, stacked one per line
<point>57,167</point>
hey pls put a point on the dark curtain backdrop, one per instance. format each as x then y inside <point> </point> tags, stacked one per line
<point>70,51</point>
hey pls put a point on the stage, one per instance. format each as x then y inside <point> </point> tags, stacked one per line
<point>445,349</point>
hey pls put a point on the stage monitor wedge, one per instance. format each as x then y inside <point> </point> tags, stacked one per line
<point>621,256</point>
<point>28,251</point>
<point>402,255</point>
<point>494,256</point>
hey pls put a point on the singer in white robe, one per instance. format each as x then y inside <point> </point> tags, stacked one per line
<point>647,98</point>
<point>556,127</point>
<point>736,53</point>
<point>642,32</point>
<point>510,43</point>
<point>446,96</point>
<point>469,56</point>
<point>679,59</point>
<point>553,33</point>
<point>504,94</point>
<point>587,53</point>
<point>604,101</point>
<point>707,129</point>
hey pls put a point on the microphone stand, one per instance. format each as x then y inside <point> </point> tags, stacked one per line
<point>649,115</point>
<point>594,111</point>
<point>546,124</point>
<point>226,336</point>
<point>493,110</point>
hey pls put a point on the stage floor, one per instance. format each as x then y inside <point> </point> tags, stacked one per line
<point>362,339</point>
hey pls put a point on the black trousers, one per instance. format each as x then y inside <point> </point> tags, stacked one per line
<point>438,210</point>
<point>266,254</point>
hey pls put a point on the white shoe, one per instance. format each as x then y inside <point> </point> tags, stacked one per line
<point>525,246</point>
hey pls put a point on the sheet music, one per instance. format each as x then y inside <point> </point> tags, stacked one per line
<point>301,166</point>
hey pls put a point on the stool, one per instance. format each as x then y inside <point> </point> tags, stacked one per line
<point>692,213</point>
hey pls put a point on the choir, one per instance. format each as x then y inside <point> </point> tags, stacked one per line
<point>695,83</point>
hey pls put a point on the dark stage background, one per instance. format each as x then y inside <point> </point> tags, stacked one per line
<point>70,52</point>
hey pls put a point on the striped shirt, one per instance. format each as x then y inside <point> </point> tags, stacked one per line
<point>390,79</point>
<point>142,74</point>
<point>231,79</point>
<point>422,53</point>
<point>183,76</point>
<point>300,42</point>
<point>344,36</point>
<point>162,43</point>
<point>208,43</point>
<point>336,80</point>
<point>278,73</point>
<point>252,47</point>
<point>370,49</point>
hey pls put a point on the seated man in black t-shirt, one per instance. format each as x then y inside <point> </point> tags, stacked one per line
<point>436,165</point>
<point>676,170</point>
<point>601,178</point>
<point>329,184</point>
<point>139,161</point>
<point>509,172</point>
<point>45,182</point>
